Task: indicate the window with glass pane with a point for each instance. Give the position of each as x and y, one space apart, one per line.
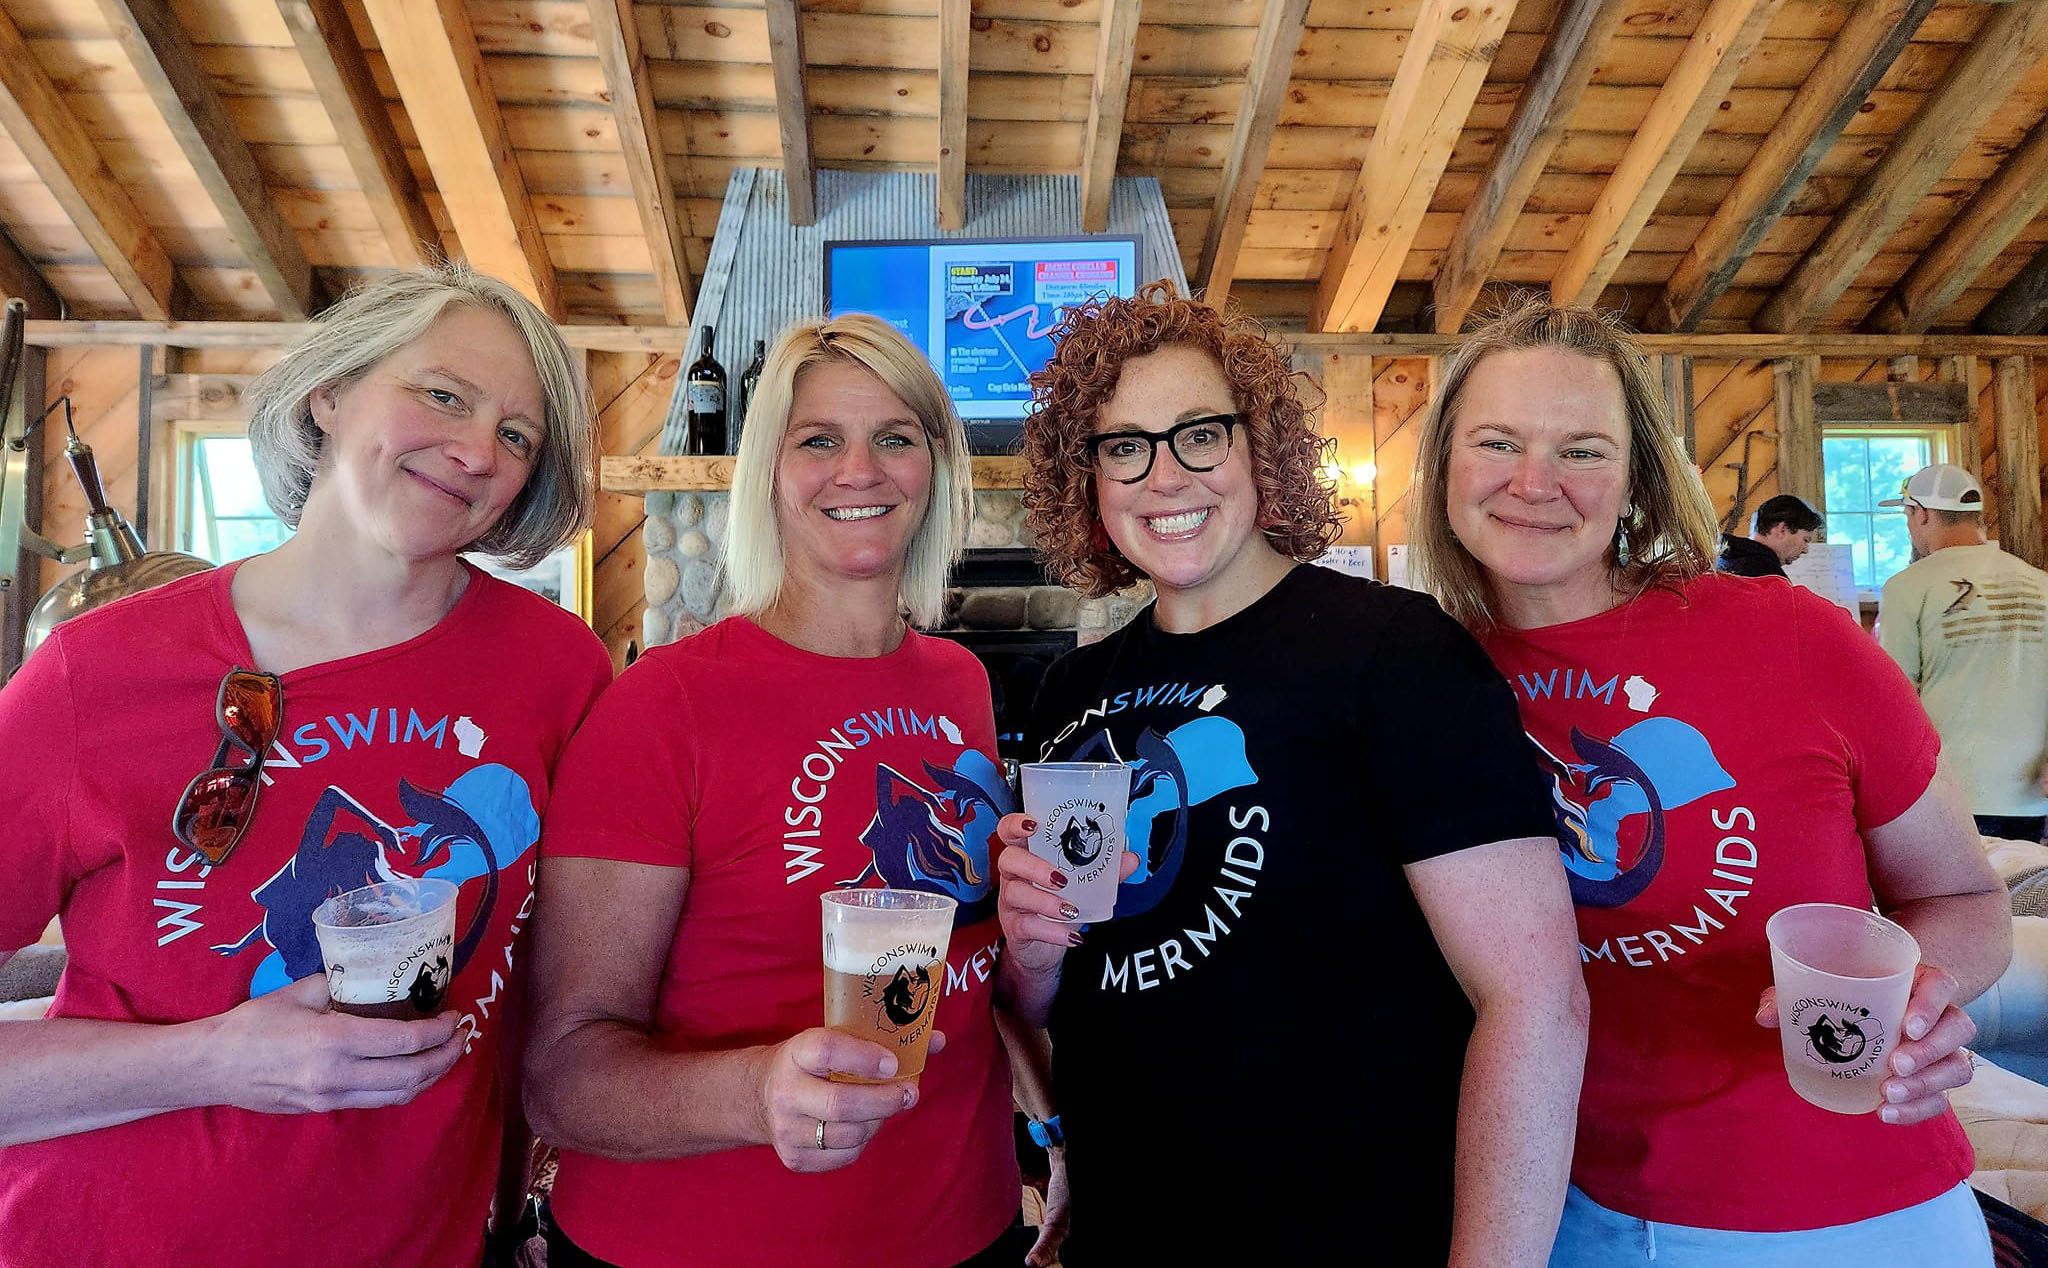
1863 467
225 517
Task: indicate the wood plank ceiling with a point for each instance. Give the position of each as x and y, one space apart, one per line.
1712 165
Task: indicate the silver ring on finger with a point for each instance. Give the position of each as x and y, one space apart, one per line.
821 1133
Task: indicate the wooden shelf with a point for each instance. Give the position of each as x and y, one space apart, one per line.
630 474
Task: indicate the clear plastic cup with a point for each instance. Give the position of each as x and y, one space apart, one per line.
389 948
1843 976
1080 807
885 968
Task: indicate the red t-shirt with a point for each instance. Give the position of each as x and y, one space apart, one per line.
776 775
1714 756
391 762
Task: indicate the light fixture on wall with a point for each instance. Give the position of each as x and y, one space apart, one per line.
1353 481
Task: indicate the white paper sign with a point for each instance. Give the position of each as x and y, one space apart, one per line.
1827 569
1397 564
1356 560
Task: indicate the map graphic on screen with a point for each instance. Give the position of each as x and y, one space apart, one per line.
983 311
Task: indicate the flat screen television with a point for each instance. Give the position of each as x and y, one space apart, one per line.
983 310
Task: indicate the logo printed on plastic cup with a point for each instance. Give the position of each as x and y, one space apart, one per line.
1079 830
1845 1040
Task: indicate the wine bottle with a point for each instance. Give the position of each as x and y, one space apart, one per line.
750 378
705 399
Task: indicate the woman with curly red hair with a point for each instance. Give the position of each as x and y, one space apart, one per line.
1329 791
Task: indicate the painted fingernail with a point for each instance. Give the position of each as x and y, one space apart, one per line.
1903 1064
1031 825
1069 912
1074 938
1059 879
909 1095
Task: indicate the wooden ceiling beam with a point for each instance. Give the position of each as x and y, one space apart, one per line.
433 56
362 123
2011 40
1578 41
1870 41
793 110
1114 54
163 56
1687 103
1265 91
1448 55
632 98
2022 307
34 115
954 16
1985 226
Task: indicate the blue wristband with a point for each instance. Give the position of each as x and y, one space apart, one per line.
1046 1134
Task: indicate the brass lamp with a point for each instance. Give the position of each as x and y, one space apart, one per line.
116 563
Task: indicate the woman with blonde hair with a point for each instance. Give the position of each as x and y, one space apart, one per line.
193 769
1718 748
812 742
1338 1010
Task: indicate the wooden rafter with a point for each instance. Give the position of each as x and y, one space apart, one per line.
632 98
954 16
163 56
1113 57
1869 42
1686 104
793 110
21 279
1265 91
34 115
362 123
2012 39
1448 55
2022 307
1578 41
441 75
1986 226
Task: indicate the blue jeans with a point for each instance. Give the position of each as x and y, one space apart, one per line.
1944 1232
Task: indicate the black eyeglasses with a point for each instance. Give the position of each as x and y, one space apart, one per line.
1199 444
221 800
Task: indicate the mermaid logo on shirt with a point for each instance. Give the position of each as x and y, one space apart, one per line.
480 825
1611 804
938 839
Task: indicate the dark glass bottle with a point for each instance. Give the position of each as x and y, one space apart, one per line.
750 378
705 399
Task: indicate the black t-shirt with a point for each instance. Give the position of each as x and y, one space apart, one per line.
1265 1046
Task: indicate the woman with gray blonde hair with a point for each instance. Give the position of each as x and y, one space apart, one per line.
359 704
811 743
1718 748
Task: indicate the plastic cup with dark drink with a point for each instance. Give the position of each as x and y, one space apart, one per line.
1079 807
389 948
1843 975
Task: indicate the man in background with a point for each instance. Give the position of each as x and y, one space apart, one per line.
1780 532
1969 625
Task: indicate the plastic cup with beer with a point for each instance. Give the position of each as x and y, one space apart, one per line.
885 968
389 948
1079 807
1843 976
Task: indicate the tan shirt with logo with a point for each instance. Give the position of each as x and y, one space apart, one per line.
1969 625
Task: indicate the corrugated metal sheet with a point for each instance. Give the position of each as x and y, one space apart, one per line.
765 272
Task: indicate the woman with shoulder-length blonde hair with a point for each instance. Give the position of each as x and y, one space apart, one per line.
193 769
813 742
1328 789
1718 748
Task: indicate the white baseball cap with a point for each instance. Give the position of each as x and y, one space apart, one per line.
1940 487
